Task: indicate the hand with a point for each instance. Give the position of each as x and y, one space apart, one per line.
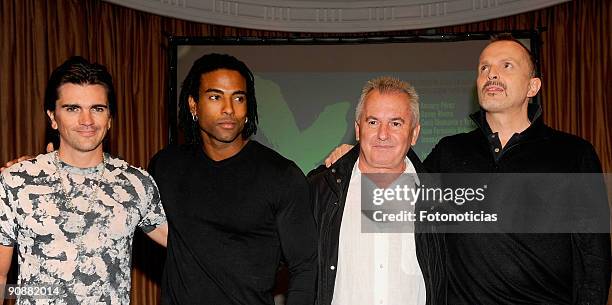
160 235
337 154
8 164
50 147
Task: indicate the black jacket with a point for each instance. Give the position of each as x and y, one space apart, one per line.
539 149
329 187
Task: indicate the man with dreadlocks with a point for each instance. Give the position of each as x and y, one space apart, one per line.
235 207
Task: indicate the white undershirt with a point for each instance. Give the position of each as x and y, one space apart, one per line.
375 268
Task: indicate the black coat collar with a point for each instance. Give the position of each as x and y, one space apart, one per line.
537 129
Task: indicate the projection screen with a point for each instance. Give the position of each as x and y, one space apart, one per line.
307 89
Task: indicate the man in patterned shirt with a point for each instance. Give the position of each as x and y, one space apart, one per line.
72 213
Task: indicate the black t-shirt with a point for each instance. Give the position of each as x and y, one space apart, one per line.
231 222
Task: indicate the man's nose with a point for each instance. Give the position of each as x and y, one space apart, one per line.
383 132
85 118
493 73
228 106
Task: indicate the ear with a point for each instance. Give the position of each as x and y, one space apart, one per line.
193 106
534 86
108 127
51 116
415 134
356 131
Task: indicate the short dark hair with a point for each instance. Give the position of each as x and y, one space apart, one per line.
509 37
77 70
191 88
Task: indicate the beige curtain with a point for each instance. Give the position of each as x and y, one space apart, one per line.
36 36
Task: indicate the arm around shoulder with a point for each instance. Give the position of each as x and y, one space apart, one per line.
160 235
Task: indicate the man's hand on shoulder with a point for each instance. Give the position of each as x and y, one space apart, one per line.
8 164
337 153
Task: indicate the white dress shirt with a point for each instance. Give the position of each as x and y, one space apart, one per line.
375 268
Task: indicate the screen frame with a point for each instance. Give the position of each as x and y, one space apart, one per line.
175 41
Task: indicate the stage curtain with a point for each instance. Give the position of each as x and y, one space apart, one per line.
36 36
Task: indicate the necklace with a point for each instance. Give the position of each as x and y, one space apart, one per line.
67 195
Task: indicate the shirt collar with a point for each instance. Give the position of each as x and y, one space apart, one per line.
409 169
534 112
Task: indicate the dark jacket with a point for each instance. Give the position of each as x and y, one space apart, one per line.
539 149
329 187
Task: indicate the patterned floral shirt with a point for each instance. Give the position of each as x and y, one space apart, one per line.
73 227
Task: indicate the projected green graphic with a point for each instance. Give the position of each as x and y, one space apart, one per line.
306 137
278 125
